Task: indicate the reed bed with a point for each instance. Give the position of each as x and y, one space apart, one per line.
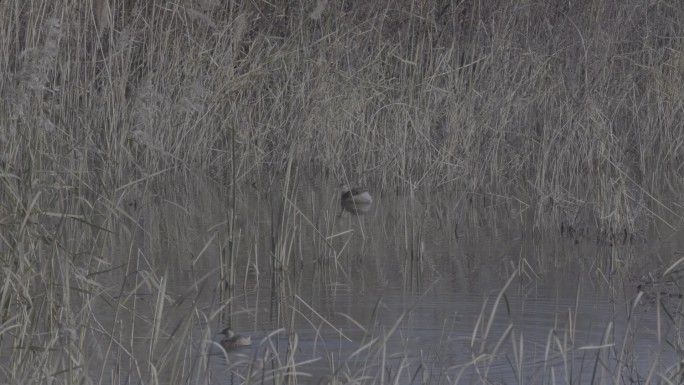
563 116
568 106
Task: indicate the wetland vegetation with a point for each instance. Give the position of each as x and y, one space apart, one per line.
169 169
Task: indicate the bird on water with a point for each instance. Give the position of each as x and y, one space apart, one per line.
233 341
355 200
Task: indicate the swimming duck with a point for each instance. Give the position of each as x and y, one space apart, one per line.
233 341
355 200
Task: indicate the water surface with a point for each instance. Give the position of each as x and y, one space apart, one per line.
424 288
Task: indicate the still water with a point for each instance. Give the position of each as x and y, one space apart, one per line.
423 289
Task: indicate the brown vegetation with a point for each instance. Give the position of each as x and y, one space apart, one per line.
572 109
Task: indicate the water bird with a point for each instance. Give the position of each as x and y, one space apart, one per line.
355 200
233 341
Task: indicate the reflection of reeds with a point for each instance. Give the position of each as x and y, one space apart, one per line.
389 353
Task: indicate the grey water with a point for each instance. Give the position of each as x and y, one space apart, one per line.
425 288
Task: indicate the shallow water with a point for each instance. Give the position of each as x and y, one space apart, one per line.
409 292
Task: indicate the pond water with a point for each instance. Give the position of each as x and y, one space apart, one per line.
423 289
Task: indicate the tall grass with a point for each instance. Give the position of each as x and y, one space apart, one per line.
574 103
571 110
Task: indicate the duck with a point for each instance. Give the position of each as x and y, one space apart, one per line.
233 341
355 200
